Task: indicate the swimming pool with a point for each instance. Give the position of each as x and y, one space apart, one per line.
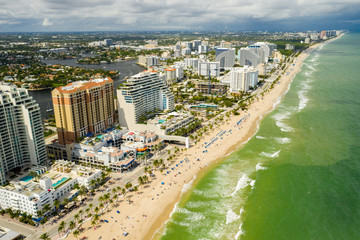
59 182
26 178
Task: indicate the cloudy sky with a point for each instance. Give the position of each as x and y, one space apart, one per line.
192 15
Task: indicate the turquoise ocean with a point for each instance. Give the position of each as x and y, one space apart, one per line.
299 176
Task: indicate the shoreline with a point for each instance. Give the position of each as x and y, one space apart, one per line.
150 209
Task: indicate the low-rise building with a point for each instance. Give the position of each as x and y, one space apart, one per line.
214 88
171 122
30 194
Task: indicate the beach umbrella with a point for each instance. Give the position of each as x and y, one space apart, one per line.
162 183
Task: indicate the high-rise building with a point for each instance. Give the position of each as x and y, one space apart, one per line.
241 79
322 34
248 57
212 68
225 56
196 44
83 107
141 94
191 63
203 48
108 42
21 131
152 61
261 51
224 44
170 76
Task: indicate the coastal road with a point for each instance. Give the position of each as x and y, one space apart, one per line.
16 227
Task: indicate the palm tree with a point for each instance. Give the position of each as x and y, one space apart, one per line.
80 213
128 185
65 202
56 205
96 210
76 233
87 211
62 225
108 171
93 223
92 183
44 236
60 229
76 217
141 181
46 208
72 225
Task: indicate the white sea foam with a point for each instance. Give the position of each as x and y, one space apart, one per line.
260 137
239 233
231 216
241 211
270 155
284 140
279 117
243 182
259 167
195 217
188 185
303 100
183 210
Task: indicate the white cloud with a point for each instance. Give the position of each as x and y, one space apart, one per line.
167 14
46 22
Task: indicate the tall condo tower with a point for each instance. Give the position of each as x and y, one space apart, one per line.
21 131
83 107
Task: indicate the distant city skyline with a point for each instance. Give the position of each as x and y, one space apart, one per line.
184 15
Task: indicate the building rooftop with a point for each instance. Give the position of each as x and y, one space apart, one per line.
83 85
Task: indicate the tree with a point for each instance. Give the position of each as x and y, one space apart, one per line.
141 181
128 185
44 236
62 225
46 208
76 233
93 223
60 229
72 225
56 205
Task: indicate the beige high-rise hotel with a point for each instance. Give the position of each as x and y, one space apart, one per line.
83 107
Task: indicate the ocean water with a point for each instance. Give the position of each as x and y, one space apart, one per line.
299 176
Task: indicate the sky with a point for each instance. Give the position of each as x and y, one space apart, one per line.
178 15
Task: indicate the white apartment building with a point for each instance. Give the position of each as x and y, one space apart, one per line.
203 49
256 53
191 63
170 76
21 131
241 79
179 70
141 94
152 61
225 56
212 68
27 195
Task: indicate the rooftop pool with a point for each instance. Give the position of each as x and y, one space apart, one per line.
59 182
26 178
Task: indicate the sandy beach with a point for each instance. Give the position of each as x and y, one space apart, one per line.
152 205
